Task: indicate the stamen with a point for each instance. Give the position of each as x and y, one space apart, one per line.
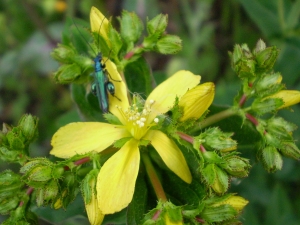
156 120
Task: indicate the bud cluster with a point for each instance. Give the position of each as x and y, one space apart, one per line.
277 140
42 175
216 170
14 141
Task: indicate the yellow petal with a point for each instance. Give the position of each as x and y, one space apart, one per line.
120 98
289 97
99 24
117 177
80 138
197 100
164 94
170 154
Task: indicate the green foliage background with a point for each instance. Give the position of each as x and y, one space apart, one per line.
209 29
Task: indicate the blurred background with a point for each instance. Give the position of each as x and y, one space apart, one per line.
30 29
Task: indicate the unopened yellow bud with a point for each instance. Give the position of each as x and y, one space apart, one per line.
289 97
197 100
237 202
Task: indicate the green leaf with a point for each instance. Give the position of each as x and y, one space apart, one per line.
138 76
184 193
87 108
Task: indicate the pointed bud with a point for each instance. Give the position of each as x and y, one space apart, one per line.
289 98
28 126
266 58
215 178
64 53
260 46
266 105
271 159
157 25
10 183
289 149
196 101
168 44
8 204
237 202
237 166
268 84
67 74
242 61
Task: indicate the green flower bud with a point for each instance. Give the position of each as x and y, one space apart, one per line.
266 58
10 155
237 166
40 174
15 139
268 84
67 73
279 123
216 211
157 25
242 61
260 46
272 140
168 44
10 183
28 126
64 53
266 105
37 172
47 193
289 149
271 159
216 178
8 204
245 68
216 139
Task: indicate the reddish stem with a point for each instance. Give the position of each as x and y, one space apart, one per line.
128 55
200 220
82 161
156 215
185 137
252 119
202 149
242 100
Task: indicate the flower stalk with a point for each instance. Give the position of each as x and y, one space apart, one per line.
156 184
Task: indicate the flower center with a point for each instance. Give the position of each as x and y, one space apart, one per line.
137 122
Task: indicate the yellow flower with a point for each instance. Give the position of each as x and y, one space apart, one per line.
200 96
289 97
116 180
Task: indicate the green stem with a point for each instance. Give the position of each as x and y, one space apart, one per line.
159 191
215 118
